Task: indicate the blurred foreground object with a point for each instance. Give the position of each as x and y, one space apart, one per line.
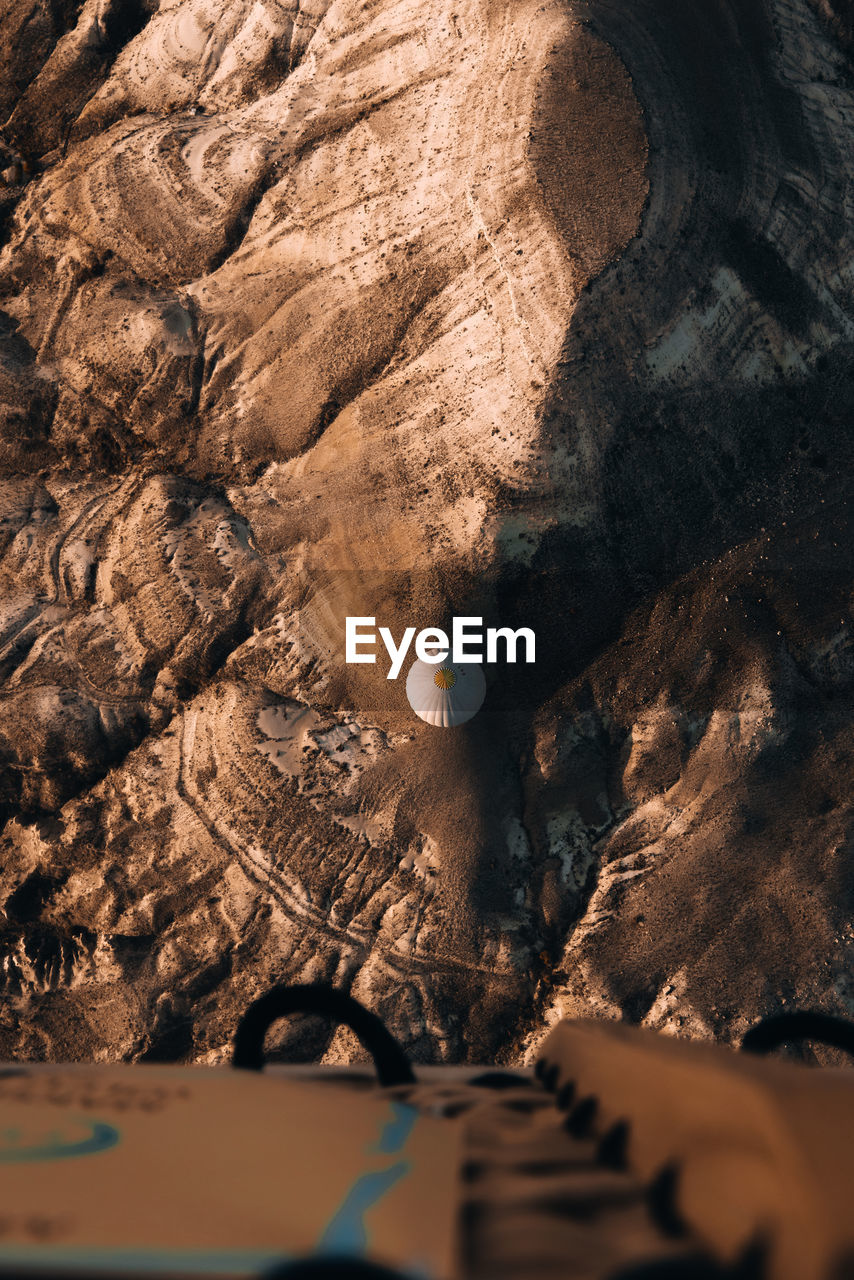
633 1156
746 1155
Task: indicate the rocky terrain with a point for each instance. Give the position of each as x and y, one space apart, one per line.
542 312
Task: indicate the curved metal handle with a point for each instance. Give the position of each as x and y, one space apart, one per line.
390 1061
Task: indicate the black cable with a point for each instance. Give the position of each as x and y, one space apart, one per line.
390 1061
332 1269
691 1266
698 1266
782 1028
500 1080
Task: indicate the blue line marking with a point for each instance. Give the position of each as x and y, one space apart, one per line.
347 1232
56 1146
396 1133
82 1262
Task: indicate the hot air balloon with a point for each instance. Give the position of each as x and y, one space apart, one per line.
445 693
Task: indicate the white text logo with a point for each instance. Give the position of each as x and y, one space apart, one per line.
432 644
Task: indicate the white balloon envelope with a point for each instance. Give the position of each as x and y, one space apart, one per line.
445 693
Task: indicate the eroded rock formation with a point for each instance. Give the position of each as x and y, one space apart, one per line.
536 311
